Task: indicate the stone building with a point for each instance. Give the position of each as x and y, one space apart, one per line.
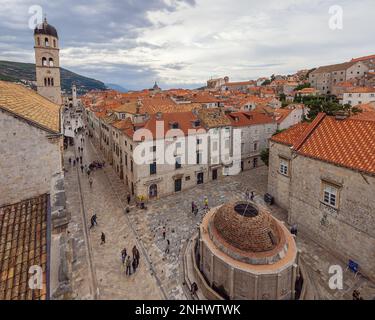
323 173
324 78
47 62
32 201
244 253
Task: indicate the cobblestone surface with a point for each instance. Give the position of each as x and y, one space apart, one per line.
162 277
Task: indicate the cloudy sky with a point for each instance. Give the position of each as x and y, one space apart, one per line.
182 43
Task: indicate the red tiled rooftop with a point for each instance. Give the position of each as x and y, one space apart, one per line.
23 243
349 143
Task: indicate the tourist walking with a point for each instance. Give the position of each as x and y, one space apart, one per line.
128 266
137 256
93 221
74 163
102 238
82 167
167 247
70 161
123 255
205 203
293 230
252 196
134 265
164 232
128 198
90 182
192 207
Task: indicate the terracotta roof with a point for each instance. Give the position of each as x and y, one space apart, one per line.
349 143
361 90
213 117
23 243
334 67
364 58
29 105
290 136
183 120
241 119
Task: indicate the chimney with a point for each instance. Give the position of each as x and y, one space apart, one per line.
341 115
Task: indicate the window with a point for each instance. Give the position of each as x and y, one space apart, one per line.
199 157
54 43
153 168
255 146
214 146
50 62
46 42
44 62
52 82
178 163
38 40
284 164
131 165
330 195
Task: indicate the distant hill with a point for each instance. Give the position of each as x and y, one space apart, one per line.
25 72
116 87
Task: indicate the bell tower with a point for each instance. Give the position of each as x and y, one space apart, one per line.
47 62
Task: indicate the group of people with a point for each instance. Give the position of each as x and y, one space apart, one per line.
128 262
194 206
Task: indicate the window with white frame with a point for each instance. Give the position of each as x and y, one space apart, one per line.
284 167
330 194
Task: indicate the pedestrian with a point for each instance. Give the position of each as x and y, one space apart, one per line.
356 295
206 203
293 230
74 163
70 161
134 264
247 195
128 198
192 207
90 182
77 159
134 251
167 247
164 231
252 196
137 256
82 168
128 266
123 255
80 159
102 238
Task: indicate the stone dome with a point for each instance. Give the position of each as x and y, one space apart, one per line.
244 226
45 29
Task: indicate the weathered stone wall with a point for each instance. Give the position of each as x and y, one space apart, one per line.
279 184
348 231
28 159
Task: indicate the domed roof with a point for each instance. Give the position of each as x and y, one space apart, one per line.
244 226
45 29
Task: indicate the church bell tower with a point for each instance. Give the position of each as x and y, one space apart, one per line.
47 62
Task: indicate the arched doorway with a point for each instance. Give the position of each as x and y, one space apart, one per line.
153 191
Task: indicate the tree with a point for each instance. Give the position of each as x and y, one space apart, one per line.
266 82
265 155
302 86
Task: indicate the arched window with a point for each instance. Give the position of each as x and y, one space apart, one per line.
38 41
44 61
45 82
54 43
52 82
49 81
50 62
46 42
